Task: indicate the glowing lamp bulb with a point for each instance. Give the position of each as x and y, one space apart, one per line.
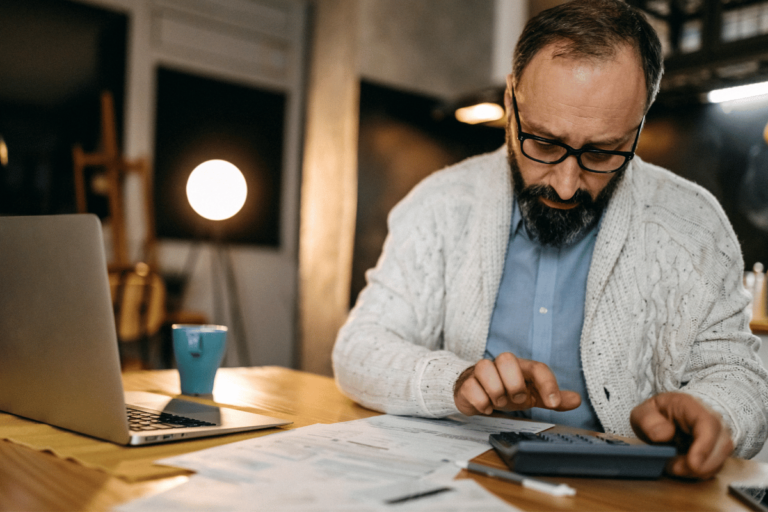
216 189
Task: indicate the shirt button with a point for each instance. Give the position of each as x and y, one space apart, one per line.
543 310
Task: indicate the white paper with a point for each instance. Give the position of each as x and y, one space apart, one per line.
201 494
490 424
386 436
338 467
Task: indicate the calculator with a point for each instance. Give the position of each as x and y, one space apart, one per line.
579 455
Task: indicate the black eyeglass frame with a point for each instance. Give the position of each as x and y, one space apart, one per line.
522 136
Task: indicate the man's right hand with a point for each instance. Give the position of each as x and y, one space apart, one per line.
510 384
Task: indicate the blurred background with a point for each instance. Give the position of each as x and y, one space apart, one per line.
332 110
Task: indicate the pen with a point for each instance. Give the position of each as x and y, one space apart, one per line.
417 495
530 483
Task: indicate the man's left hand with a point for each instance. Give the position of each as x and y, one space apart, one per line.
682 419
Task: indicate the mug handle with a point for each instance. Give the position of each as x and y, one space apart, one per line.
195 343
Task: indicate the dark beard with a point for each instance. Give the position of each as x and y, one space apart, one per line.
551 226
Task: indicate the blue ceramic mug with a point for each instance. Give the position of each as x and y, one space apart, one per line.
199 350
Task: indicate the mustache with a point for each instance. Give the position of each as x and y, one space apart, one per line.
581 197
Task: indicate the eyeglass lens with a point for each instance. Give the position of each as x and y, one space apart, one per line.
552 153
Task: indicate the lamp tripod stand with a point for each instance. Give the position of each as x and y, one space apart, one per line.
217 190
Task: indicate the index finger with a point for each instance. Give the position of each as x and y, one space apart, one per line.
650 424
543 380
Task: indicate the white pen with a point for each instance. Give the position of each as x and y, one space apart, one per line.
530 483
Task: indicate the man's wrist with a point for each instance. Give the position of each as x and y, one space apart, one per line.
466 374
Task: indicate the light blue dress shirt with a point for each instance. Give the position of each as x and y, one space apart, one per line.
539 314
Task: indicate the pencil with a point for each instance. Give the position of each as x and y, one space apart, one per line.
530 483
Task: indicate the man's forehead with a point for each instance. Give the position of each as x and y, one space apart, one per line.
603 82
583 71
559 55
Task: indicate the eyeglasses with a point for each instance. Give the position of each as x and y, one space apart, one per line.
547 151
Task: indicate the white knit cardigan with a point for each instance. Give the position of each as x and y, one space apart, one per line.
665 306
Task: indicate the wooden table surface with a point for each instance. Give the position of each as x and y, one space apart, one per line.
36 480
759 325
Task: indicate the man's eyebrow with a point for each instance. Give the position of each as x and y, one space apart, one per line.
543 132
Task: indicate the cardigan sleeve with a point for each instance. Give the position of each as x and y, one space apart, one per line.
721 367
389 354
724 369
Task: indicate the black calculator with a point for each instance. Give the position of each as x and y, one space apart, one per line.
579 455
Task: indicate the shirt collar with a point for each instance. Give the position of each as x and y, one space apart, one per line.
517 217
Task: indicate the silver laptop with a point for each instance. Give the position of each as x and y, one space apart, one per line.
59 361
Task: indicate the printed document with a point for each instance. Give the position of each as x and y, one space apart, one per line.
380 463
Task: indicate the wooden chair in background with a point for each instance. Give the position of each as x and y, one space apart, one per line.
113 168
138 290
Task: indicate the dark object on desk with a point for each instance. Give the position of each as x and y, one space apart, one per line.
754 496
579 455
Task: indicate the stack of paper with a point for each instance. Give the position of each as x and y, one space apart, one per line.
379 463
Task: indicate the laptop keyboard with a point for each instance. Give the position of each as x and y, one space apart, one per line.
139 420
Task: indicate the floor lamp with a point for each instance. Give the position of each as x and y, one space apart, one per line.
217 190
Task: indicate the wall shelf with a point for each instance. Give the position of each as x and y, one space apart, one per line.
709 43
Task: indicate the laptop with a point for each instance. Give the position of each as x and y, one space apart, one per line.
59 360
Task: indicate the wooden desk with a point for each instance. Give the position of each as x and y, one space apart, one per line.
759 326
34 480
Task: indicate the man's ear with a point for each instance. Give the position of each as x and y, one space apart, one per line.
508 93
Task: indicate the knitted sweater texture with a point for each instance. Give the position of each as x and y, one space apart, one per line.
665 306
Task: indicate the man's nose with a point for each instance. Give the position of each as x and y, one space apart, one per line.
565 178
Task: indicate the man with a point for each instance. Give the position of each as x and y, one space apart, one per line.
563 277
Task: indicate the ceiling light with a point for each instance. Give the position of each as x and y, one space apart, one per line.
738 93
480 113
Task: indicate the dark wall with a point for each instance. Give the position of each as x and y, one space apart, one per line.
57 57
401 141
200 119
723 152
